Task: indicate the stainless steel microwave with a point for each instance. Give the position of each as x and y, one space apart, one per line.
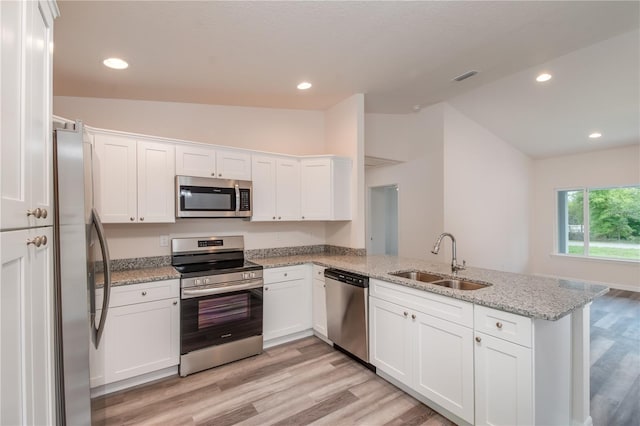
209 197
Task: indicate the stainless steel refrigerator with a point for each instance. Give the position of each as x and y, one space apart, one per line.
81 252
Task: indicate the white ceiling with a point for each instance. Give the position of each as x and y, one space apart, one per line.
254 53
596 88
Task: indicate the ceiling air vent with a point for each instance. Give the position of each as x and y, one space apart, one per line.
465 76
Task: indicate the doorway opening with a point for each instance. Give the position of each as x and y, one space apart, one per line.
383 220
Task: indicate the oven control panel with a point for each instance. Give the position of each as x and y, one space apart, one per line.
221 279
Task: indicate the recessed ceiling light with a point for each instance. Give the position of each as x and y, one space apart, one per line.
116 63
543 77
595 135
304 85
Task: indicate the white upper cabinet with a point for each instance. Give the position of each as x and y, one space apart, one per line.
288 188
133 180
326 188
156 172
276 188
114 178
195 161
232 164
25 114
264 188
192 160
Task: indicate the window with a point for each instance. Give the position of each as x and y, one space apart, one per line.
602 222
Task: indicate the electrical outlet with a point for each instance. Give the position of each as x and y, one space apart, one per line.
164 240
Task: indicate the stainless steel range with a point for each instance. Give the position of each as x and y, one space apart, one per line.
221 302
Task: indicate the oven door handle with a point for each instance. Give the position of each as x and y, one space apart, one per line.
191 292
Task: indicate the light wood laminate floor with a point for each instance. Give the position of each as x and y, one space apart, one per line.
307 382
615 359
300 383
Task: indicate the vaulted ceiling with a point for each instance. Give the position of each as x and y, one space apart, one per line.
400 54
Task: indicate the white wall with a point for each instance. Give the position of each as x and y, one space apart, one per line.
612 167
344 133
284 131
487 192
275 130
419 180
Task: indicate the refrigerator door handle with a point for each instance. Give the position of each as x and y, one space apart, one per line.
107 277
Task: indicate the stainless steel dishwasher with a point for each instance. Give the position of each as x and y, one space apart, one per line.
348 311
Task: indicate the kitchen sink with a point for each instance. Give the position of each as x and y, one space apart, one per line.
427 277
460 284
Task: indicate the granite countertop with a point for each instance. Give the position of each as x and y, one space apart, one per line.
528 295
141 275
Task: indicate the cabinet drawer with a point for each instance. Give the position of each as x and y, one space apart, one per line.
443 307
318 272
288 273
504 325
140 293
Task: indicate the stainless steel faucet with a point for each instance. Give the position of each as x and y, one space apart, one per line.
454 262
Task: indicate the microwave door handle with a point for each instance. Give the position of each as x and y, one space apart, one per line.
237 199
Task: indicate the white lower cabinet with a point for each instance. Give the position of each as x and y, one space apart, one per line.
27 394
503 382
433 357
319 297
287 301
142 332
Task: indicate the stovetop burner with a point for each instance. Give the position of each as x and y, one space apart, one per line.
199 257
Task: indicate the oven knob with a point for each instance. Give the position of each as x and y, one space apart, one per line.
207 281
197 282
245 275
253 275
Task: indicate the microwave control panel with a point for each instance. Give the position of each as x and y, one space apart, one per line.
245 203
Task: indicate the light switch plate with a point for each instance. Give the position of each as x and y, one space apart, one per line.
164 240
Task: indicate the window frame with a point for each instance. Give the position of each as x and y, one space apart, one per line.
586 223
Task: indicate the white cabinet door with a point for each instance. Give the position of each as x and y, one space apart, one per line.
232 164
25 114
316 189
195 161
156 175
38 105
319 306
137 339
445 364
287 308
288 189
391 347
26 315
503 382
263 169
115 178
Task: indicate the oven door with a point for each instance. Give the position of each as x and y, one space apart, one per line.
227 315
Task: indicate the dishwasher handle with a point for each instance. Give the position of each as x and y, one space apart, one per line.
347 277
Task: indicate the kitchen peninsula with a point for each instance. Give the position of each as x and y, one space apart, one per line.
516 349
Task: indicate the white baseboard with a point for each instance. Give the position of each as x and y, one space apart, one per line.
286 339
133 381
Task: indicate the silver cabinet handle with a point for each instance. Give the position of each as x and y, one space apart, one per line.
478 339
213 174
219 174
303 217
35 212
37 241
405 314
499 324
132 219
142 219
266 288
285 274
279 218
413 316
144 293
44 213
175 302
274 218
44 240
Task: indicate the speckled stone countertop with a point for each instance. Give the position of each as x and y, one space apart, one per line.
528 295
142 275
